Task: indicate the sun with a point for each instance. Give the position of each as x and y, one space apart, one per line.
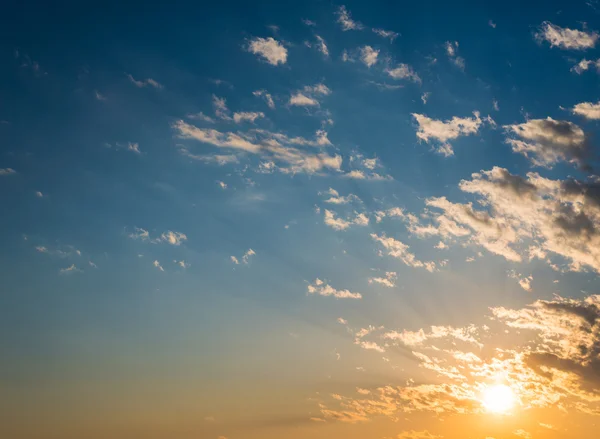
498 399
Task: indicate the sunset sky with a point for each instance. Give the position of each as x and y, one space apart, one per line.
267 220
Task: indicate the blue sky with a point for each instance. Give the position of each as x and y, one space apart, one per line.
237 220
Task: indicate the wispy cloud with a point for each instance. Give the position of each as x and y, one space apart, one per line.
565 38
266 96
345 20
320 288
149 82
388 34
7 171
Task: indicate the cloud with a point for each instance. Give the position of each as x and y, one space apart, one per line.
346 21
307 97
522 433
545 142
144 82
39 194
321 46
399 250
219 159
234 260
584 65
368 55
222 184
492 24
99 96
7 171
335 198
266 96
247 116
70 270
158 266
173 238
129 146
564 38
452 52
248 255
308 22
201 116
425 97
322 289
386 34
443 131
268 145
412 434
337 223
269 49
388 281
587 110
495 105
403 71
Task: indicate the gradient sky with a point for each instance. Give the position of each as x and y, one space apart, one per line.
266 220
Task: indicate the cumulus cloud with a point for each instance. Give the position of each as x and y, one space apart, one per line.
144 82
584 65
267 145
545 142
337 223
336 198
565 38
389 280
266 96
345 20
247 116
308 96
588 110
441 131
403 71
386 34
320 288
268 49
452 52
399 250
368 55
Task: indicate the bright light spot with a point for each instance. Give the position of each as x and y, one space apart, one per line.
498 398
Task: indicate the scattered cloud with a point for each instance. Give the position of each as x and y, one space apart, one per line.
492 24
266 96
345 20
337 223
70 270
248 255
404 71
320 288
201 116
452 52
386 34
144 82
443 131
565 38
247 116
268 49
587 110
545 142
584 65
368 55
308 96
100 96
308 22
336 198
222 184
425 97
170 237
7 171
158 266
389 280
412 434
399 250
321 46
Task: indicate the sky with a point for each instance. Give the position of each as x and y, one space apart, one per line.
265 220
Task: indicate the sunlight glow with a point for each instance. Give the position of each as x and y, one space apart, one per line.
498 399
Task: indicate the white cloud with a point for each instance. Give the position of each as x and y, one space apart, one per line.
266 96
308 22
144 82
7 171
368 55
495 105
234 260
399 250
346 21
307 97
425 97
222 184
388 281
173 238
247 116
322 46
134 147
158 266
269 49
201 116
337 223
403 71
547 141
322 289
140 233
270 146
587 110
492 24
357 174
452 52
39 194
443 131
386 34
70 270
247 255
302 100
335 198
99 96
584 65
564 38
